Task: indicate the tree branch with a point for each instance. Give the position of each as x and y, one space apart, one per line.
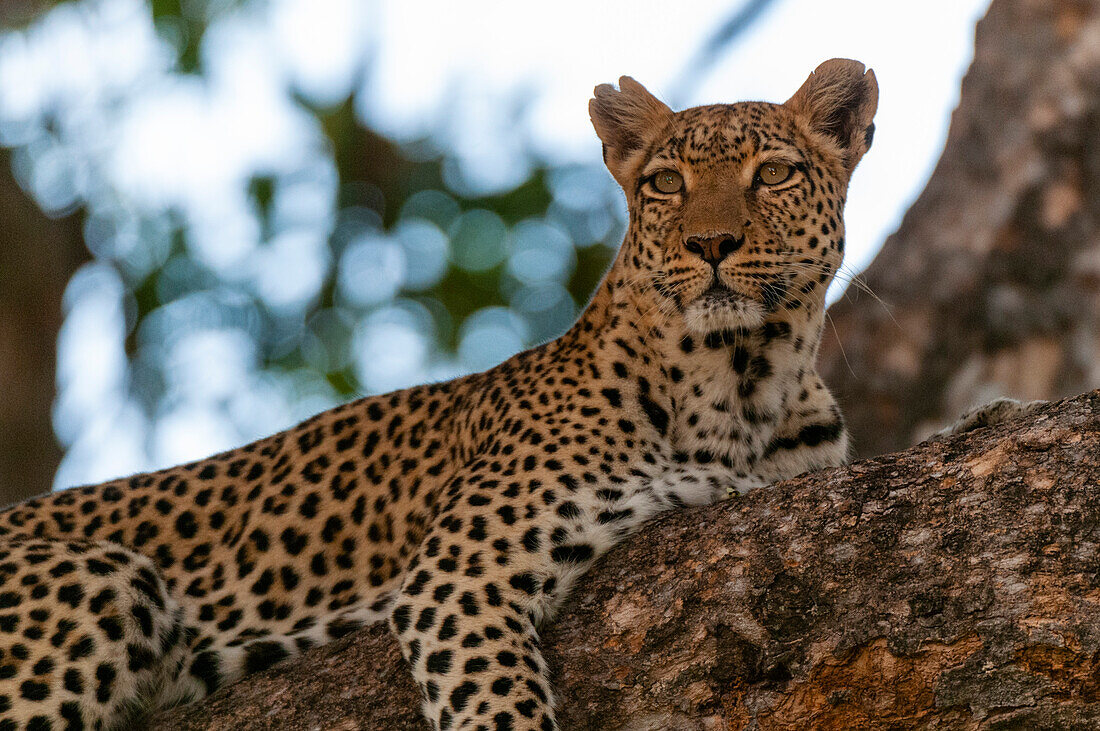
952 585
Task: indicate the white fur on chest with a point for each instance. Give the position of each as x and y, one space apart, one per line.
715 417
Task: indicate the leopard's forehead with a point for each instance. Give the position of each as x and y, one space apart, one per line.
726 132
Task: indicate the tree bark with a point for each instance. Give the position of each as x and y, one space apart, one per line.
38 255
955 585
991 284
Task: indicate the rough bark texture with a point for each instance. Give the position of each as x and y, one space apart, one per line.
955 585
993 279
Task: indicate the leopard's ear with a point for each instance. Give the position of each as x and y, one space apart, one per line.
627 120
838 100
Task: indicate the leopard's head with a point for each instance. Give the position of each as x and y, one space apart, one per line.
736 210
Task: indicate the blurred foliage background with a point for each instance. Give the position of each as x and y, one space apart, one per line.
203 211
326 262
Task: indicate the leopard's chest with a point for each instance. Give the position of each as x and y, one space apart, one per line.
731 415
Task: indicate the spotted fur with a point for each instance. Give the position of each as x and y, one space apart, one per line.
464 511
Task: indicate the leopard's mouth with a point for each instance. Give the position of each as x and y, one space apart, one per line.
718 292
720 307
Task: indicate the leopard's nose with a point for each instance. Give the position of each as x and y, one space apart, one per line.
713 249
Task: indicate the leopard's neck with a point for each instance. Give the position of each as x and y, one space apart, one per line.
726 390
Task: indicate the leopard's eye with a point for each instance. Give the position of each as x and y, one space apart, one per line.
773 173
668 181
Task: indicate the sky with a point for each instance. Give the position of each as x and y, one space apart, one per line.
132 135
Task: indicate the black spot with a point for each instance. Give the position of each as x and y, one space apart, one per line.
84 647
657 416
610 516
111 627
569 481
440 662
207 669
460 696
64 627
416 586
101 600
527 708
62 568
186 525
525 582
293 541
105 673
477 529
144 619
476 665
568 509
613 396
289 577
70 594
70 711
401 617
531 539
469 604
139 658
714 340
262 655
535 687
449 628
426 619
263 584
332 528
342 627
572 553
773 330
810 436
74 682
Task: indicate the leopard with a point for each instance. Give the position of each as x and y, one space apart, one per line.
464 512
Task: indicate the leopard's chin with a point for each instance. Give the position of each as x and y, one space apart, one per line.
720 308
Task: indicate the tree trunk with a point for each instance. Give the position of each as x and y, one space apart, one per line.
955 585
38 255
992 283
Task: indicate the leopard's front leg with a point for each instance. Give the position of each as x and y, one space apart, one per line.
500 557
467 612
